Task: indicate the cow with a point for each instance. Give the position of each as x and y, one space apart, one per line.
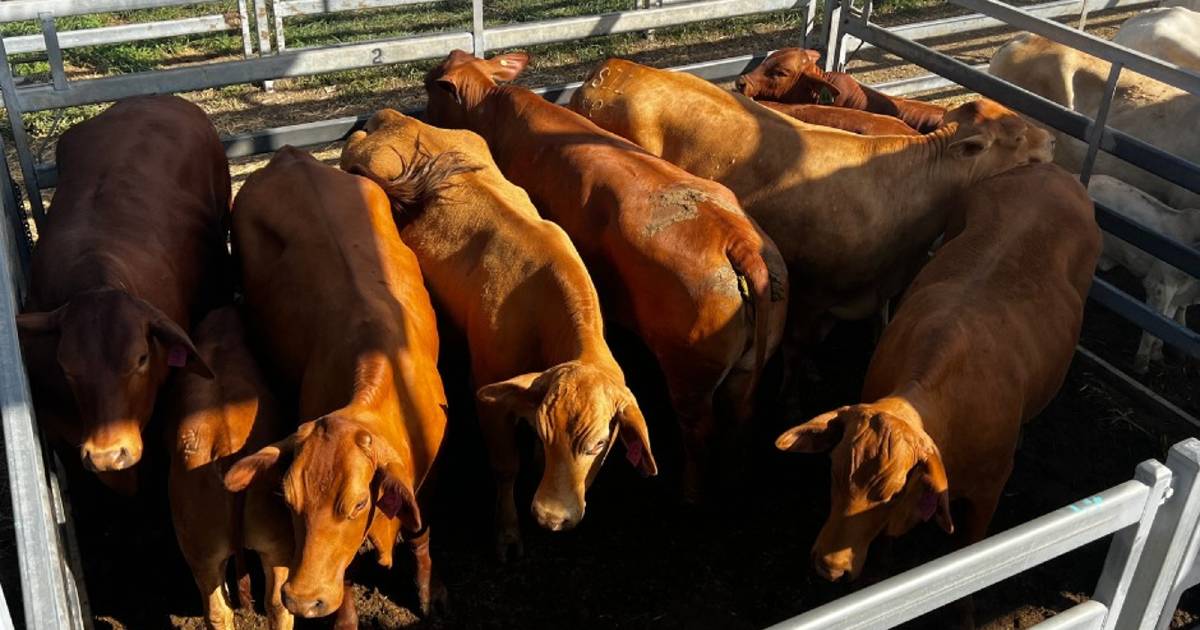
1169 290
853 215
1170 33
673 256
1142 107
341 310
213 423
514 284
980 344
852 120
791 75
131 251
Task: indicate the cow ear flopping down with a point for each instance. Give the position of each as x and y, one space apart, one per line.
518 396
180 350
815 436
245 470
970 146
935 498
30 324
506 67
820 85
396 499
635 435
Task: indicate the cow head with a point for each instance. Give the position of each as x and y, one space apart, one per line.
337 478
887 476
115 350
788 75
459 83
578 412
989 139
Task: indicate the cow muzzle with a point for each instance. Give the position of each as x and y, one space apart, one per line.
309 604
557 517
111 457
835 567
742 86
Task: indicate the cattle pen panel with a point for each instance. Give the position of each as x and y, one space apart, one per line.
55 602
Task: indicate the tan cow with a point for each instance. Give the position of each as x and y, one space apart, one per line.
673 255
980 344
518 289
852 215
214 422
852 120
341 310
132 249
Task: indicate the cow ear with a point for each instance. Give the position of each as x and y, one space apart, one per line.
44 323
813 56
970 146
635 435
934 501
181 352
395 499
828 92
518 396
506 67
448 85
381 118
815 436
250 467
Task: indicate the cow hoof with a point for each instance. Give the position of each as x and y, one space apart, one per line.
433 601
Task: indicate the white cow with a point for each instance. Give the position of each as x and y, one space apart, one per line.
1151 111
1169 290
1171 34
1194 5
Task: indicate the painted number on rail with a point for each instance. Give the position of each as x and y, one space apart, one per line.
376 55
1080 506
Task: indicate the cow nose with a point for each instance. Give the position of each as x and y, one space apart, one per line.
108 459
834 567
740 84
307 608
553 519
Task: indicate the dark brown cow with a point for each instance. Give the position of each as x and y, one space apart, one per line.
517 288
980 344
339 304
791 75
214 421
673 254
852 120
133 248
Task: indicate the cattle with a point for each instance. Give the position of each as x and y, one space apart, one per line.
213 423
853 215
852 120
673 256
340 308
791 75
514 284
1170 33
1169 290
981 343
1141 107
133 246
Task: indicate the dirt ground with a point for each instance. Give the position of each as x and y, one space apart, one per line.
640 557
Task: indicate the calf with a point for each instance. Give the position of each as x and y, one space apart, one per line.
853 215
133 247
791 75
1170 33
1141 107
1169 290
980 344
852 120
673 255
216 421
339 304
518 289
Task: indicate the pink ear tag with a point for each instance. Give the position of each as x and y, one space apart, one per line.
177 356
633 452
927 505
389 502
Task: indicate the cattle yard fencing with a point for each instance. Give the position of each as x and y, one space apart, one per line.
1153 518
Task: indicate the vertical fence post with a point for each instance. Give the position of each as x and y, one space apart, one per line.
12 103
1097 129
1128 544
480 42
831 36
244 19
1083 14
15 215
1155 589
810 24
262 21
58 73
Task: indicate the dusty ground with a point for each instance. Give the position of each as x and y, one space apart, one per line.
640 558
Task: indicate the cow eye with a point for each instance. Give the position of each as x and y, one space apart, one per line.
362 505
141 362
597 448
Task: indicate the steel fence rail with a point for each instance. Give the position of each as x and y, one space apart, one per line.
17 10
125 33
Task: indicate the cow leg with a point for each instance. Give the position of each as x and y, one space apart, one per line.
736 397
346 617
430 590
500 436
210 579
276 570
202 514
1159 298
697 424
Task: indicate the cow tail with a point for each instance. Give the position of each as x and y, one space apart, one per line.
748 262
421 178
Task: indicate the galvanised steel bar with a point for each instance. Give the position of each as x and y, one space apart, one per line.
1167 249
20 139
478 30
1145 317
244 24
951 577
15 215
58 72
126 33
1086 616
293 8
1097 130
1095 46
15 10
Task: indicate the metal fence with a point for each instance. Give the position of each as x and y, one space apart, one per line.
1130 511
